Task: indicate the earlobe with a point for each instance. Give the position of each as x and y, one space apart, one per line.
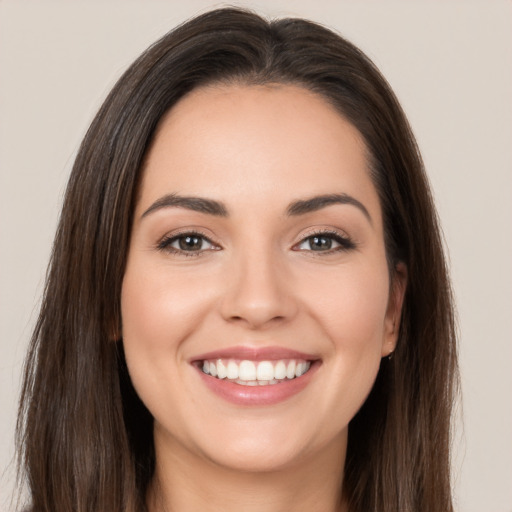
394 311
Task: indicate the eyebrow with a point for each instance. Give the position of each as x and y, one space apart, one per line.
217 208
316 203
197 204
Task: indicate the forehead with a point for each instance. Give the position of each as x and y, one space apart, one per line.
239 142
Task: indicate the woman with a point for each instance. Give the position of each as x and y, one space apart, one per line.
247 305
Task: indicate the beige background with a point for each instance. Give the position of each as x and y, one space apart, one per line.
450 65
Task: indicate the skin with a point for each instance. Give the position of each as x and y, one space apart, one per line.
256 283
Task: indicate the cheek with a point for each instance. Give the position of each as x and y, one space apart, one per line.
350 304
350 307
159 310
159 307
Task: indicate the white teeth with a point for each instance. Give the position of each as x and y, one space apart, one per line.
290 370
265 371
232 372
246 370
280 370
222 371
253 373
302 368
256 382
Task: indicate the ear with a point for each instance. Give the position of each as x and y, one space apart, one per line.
394 310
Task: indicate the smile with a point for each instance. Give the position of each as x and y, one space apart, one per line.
256 373
250 376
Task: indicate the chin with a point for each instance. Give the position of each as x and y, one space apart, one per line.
269 450
256 456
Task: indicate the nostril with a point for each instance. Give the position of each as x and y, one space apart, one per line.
252 321
257 302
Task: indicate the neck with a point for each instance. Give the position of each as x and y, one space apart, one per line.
187 483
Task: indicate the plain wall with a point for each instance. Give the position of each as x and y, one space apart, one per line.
450 65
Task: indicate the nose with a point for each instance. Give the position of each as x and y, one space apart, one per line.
259 291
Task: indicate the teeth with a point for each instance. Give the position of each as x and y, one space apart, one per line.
246 370
222 371
290 370
299 370
232 370
265 371
254 373
257 382
280 370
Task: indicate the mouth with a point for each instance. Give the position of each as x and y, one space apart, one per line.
256 373
264 376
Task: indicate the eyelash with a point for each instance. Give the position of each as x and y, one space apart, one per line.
345 243
165 244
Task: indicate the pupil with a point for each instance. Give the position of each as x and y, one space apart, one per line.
190 243
320 243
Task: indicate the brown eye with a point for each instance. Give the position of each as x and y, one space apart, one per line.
190 242
186 243
325 242
319 243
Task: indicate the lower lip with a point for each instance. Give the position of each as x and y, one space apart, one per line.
258 395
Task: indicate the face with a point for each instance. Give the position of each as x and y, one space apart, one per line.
256 303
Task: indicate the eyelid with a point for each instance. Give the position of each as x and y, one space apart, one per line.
344 241
319 230
164 244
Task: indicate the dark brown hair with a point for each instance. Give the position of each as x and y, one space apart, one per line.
85 439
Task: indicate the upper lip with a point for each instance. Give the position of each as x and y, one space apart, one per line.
254 354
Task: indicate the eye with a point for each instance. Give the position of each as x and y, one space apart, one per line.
325 242
187 243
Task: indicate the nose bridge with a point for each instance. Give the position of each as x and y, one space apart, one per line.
258 291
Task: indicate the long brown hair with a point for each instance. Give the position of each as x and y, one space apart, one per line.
84 437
